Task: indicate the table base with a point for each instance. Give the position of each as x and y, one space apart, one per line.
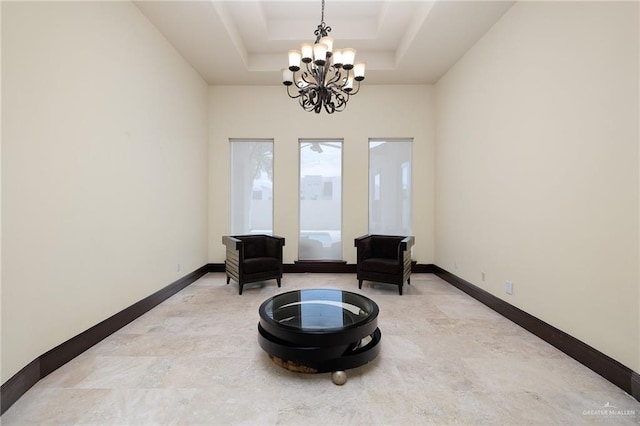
320 359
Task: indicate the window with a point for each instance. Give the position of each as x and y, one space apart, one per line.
251 186
320 200
390 186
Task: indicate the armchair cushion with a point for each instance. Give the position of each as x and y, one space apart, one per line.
378 264
385 247
253 247
255 265
273 247
365 247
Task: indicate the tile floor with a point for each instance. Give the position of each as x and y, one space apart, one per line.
445 359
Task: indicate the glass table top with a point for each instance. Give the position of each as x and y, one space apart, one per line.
318 309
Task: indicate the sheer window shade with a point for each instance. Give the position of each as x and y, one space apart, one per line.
390 186
251 186
320 200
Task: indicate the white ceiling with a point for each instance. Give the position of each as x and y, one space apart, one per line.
246 41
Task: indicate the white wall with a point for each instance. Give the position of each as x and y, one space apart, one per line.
376 112
104 169
537 168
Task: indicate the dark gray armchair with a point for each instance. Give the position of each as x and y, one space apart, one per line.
384 259
252 258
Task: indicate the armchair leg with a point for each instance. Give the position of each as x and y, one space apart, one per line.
409 280
228 279
240 289
360 284
278 280
400 289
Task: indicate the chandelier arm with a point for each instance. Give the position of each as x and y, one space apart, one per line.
337 75
311 84
316 100
341 97
310 100
355 90
320 72
313 74
304 76
338 91
330 107
291 96
341 105
310 67
304 102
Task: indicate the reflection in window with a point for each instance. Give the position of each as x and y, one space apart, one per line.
320 200
390 186
251 186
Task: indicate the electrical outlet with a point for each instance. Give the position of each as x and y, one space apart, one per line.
508 287
178 267
484 276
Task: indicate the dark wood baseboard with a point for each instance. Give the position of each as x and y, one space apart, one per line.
23 380
423 268
330 267
612 370
18 384
215 267
321 266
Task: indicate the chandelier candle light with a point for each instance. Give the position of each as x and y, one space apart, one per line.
325 78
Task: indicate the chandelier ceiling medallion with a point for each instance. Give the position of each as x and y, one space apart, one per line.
326 77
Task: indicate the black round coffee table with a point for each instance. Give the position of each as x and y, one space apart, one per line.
319 330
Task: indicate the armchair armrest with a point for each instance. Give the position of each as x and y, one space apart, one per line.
278 237
273 246
359 240
231 242
407 243
363 247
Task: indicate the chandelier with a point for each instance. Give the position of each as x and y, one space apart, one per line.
326 77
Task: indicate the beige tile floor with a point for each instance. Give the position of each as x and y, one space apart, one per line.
445 359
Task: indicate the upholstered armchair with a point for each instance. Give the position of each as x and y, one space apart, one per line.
384 259
252 258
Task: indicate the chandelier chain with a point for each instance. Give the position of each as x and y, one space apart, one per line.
323 29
